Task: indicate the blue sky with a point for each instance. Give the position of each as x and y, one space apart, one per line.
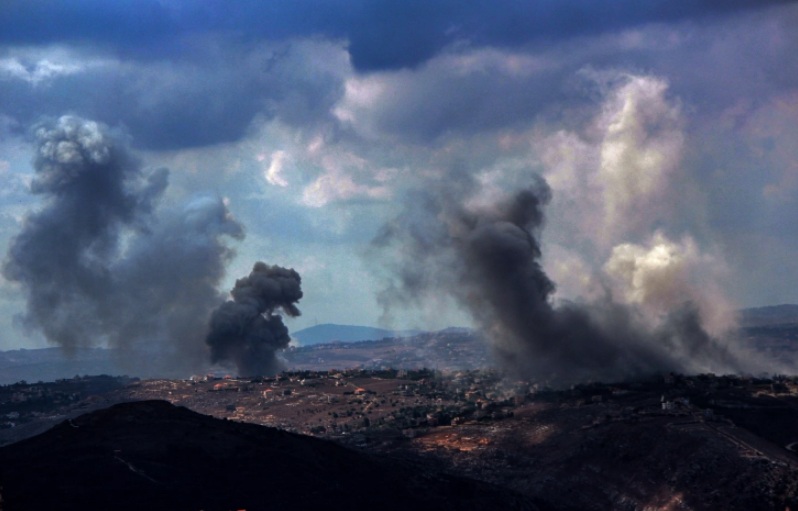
665 130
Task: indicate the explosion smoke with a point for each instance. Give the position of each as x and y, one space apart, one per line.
246 329
653 304
488 259
96 263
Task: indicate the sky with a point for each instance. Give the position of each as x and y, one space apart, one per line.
665 131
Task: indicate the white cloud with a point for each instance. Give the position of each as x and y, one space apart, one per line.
38 72
337 185
273 173
40 66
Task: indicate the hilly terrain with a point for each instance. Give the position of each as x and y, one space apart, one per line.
671 442
771 330
48 364
769 315
327 333
156 456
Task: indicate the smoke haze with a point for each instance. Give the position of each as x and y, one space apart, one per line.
246 330
648 303
100 264
488 259
665 131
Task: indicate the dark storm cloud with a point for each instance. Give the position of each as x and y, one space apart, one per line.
385 34
394 34
180 74
472 90
125 23
155 117
98 265
442 100
174 105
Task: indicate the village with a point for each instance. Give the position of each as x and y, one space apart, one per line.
359 406
480 424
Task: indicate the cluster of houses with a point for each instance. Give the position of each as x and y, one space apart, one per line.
23 402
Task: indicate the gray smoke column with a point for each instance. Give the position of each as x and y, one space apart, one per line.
487 257
246 330
101 264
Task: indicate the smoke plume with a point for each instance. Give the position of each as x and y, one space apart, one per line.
487 256
246 330
100 264
651 303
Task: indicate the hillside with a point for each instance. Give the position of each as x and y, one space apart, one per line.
153 455
770 330
328 332
48 364
674 442
769 315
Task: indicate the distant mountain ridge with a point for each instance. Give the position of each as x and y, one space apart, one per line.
768 315
329 332
48 364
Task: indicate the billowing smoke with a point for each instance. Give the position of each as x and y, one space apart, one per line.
488 258
246 330
100 264
648 303
661 275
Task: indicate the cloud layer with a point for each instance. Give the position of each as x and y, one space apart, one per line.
665 132
381 34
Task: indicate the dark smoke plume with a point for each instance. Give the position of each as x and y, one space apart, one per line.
488 258
246 330
101 265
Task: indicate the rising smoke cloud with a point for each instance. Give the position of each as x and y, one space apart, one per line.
488 259
651 303
100 264
246 330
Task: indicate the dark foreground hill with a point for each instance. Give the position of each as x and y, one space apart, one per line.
153 455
